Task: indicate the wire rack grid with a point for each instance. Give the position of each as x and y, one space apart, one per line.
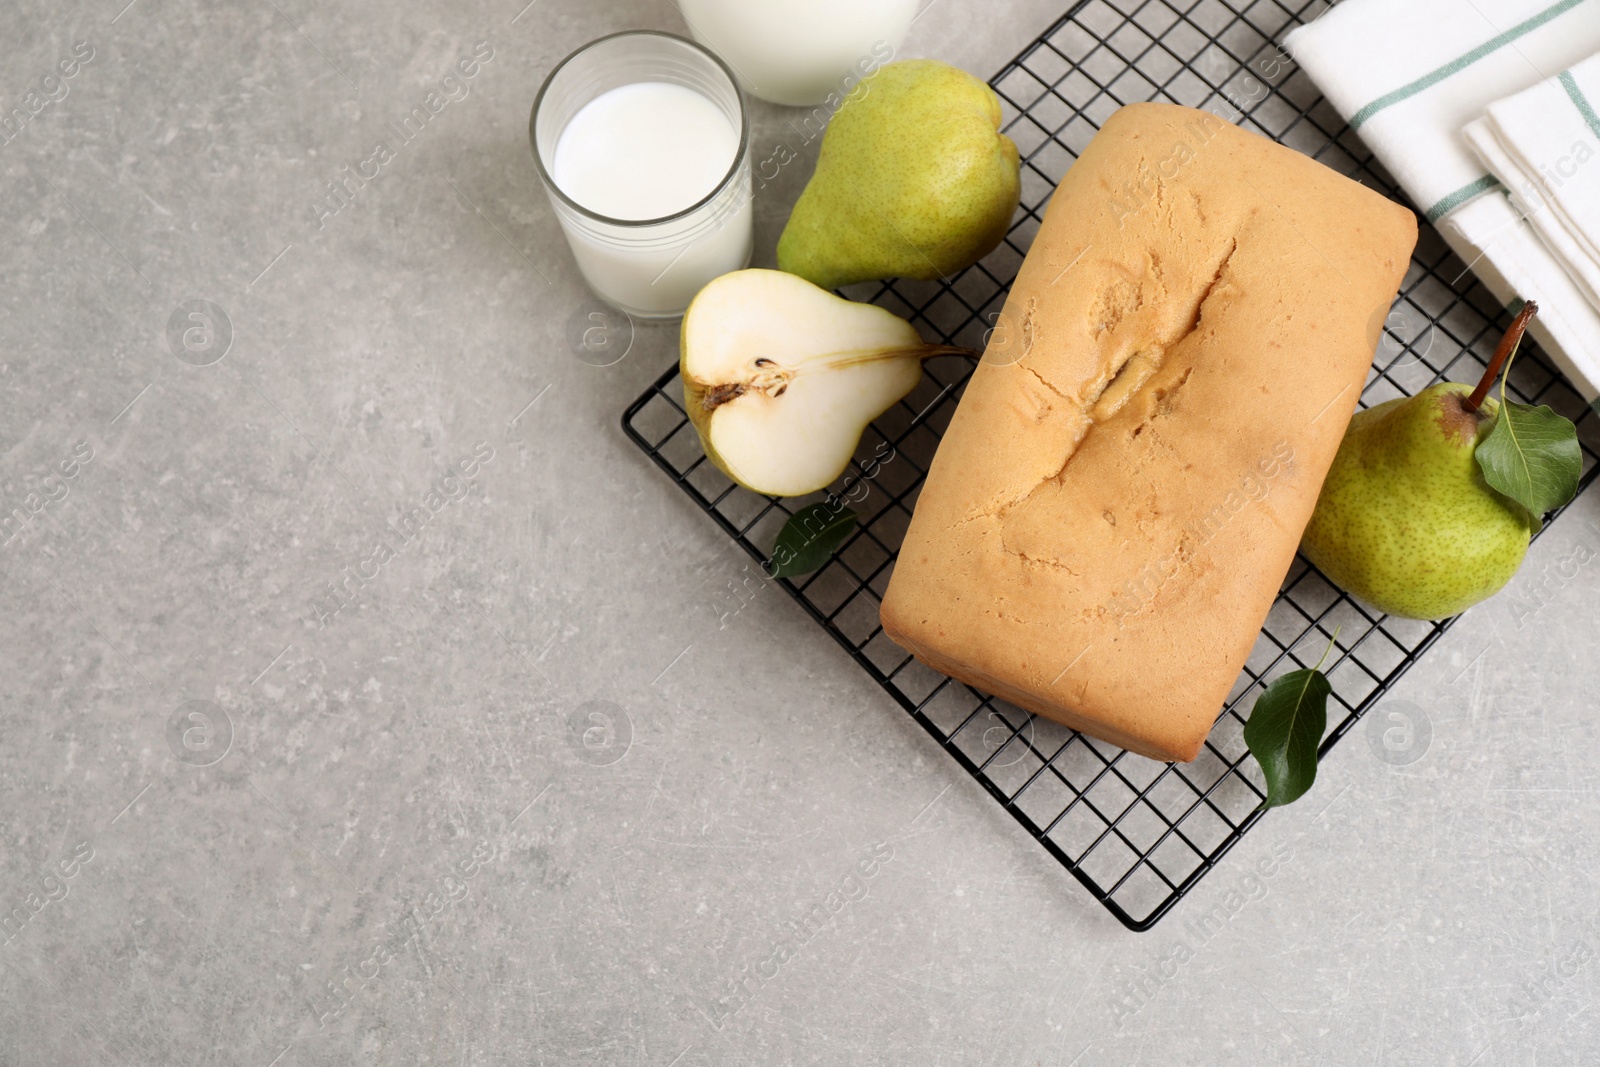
1138 834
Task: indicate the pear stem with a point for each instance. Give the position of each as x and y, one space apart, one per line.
850 359
1508 344
775 379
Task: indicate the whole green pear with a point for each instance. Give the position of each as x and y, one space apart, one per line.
1405 520
914 180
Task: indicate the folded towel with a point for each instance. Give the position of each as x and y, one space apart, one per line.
1539 144
1408 77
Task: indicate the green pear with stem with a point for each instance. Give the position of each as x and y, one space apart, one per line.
914 180
1405 520
780 378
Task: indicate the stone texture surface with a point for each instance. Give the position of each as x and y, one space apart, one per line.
404 851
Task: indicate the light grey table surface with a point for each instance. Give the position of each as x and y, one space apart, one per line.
641 910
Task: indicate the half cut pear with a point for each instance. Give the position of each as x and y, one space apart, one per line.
781 378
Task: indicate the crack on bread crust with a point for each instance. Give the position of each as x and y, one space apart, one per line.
1163 402
1052 562
1211 286
1121 381
1041 380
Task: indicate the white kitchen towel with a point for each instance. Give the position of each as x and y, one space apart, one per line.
1408 77
1539 144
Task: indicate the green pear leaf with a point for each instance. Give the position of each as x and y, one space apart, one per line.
1284 731
1531 455
809 539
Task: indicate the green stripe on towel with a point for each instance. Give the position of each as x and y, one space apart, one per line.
1494 44
1469 191
1580 101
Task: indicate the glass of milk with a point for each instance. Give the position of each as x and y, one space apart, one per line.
643 145
798 52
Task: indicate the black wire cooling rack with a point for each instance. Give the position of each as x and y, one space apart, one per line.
1137 833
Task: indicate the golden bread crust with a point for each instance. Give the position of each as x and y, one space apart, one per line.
1123 486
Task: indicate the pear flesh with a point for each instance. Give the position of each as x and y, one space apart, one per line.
1405 520
781 378
914 180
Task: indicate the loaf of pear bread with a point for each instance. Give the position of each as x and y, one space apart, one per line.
1122 488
